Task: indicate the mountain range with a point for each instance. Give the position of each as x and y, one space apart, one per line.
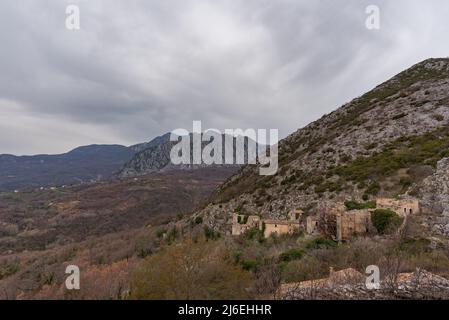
83 164
93 163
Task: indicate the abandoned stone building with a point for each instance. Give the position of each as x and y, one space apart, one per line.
339 223
312 225
279 227
295 215
242 223
401 207
336 222
352 223
342 224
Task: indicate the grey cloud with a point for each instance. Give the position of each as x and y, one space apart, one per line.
137 69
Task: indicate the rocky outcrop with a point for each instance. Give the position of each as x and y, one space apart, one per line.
156 158
153 143
435 189
149 160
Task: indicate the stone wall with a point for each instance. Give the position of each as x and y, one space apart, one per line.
278 227
311 225
401 207
417 285
239 227
352 223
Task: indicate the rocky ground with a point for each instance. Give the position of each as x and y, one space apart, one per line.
420 285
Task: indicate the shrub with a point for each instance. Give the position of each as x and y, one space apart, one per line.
373 188
305 269
210 233
250 265
354 205
160 233
371 146
406 182
320 243
254 233
8 269
399 116
172 235
240 207
292 254
198 220
7 230
142 248
415 245
438 117
197 271
384 219
289 180
329 186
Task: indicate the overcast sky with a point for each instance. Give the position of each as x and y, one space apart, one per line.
140 68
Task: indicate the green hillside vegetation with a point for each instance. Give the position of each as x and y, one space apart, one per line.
425 149
365 171
354 205
404 153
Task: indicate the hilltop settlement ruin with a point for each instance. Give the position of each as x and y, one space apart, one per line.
338 222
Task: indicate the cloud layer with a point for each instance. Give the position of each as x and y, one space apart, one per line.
140 68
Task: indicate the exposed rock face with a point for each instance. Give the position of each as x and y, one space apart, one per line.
149 160
434 200
435 189
157 158
153 143
440 226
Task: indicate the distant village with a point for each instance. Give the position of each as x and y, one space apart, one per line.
346 223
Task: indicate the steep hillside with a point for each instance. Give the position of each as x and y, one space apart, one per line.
382 143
